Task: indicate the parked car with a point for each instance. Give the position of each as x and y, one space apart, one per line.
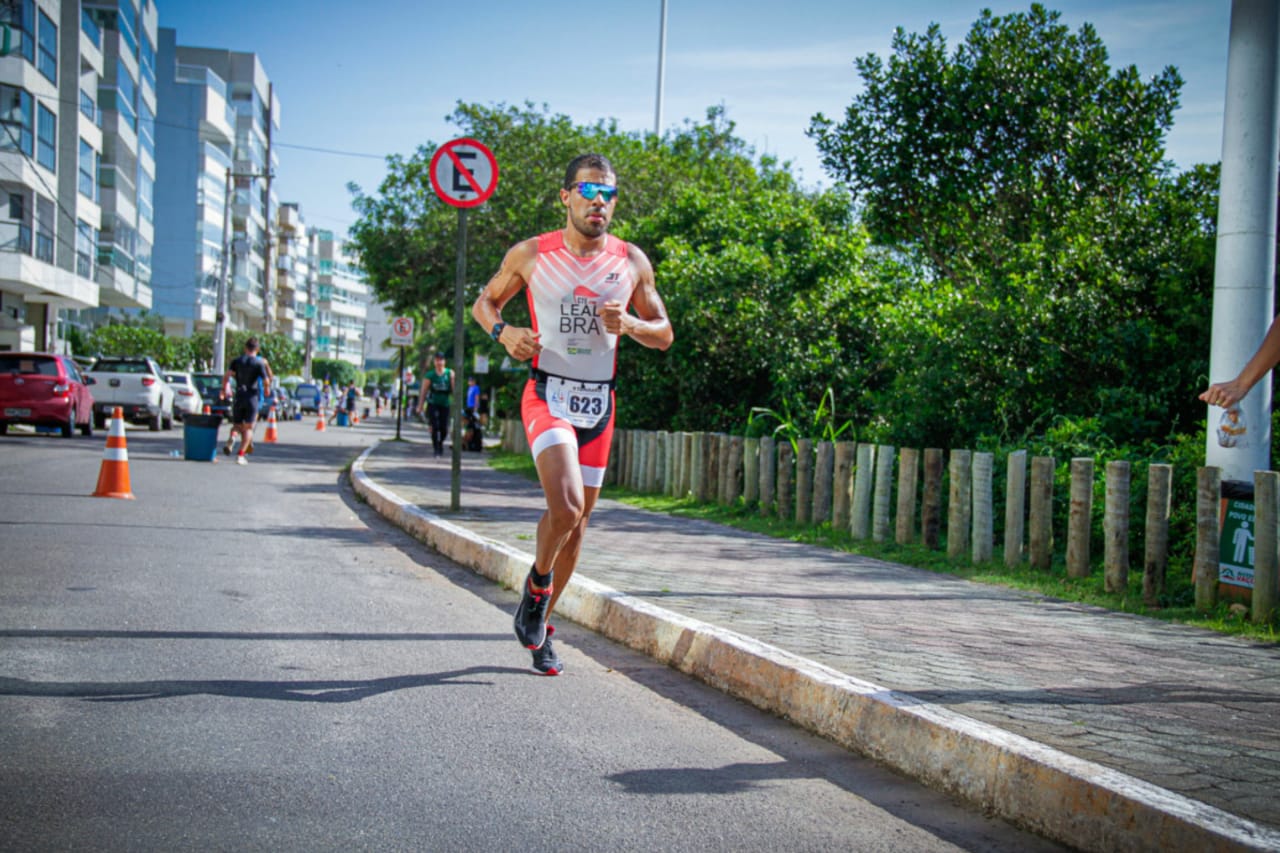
136 386
284 405
210 387
307 396
44 389
187 399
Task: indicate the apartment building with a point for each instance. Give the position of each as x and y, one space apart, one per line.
294 304
342 298
77 105
202 80
127 167
195 137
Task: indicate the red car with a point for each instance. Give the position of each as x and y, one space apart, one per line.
44 389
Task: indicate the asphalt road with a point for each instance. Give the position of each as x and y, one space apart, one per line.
247 658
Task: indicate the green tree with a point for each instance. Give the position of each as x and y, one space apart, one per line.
334 370
1023 178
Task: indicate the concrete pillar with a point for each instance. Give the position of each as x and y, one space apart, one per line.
1244 265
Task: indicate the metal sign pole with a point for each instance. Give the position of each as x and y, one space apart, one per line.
400 387
459 340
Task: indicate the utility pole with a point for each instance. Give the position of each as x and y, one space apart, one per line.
220 315
268 292
311 309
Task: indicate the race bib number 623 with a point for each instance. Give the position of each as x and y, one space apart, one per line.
582 404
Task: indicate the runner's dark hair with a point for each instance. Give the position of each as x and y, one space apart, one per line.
586 161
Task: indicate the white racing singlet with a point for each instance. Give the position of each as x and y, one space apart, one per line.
565 294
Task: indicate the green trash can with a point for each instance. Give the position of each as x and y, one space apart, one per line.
200 437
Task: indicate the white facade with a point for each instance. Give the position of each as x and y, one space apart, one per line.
341 300
77 105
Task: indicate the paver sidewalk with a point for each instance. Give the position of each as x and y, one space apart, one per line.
1185 709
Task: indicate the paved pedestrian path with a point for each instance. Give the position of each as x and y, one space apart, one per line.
1186 710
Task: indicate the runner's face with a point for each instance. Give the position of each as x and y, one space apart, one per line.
590 217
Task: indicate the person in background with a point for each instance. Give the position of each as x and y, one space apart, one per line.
437 384
1227 394
253 377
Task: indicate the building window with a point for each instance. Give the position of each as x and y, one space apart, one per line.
90 28
126 95
145 190
85 249
21 19
146 128
47 58
47 139
16 117
146 61
128 24
88 169
44 229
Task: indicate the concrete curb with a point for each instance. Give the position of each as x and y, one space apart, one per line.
1068 799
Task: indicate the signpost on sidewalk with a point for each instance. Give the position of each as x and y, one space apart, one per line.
464 173
401 336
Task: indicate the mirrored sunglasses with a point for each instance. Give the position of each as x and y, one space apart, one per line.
590 191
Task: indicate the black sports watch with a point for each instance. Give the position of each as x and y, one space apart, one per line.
497 330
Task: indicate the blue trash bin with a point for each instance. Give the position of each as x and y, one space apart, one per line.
343 420
200 437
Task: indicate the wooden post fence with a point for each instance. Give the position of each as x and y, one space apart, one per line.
1080 518
1115 527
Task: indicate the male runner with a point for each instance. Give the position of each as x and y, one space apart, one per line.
247 369
581 281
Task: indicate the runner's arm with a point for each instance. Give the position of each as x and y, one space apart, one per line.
521 343
649 326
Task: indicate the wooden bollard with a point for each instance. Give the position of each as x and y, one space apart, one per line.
842 485
804 481
931 501
1205 572
983 528
863 481
768 475
649 483
1080 517
786 481
958 504
1115 527
1266 490
1015 507
724 472
1155 556
751 471
688 441
883 496
698 468
733 477
908 479
1040 514
712 460
824 473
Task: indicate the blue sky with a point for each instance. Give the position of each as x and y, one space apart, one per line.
381 76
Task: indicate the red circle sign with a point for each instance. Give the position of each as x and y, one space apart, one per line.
464 173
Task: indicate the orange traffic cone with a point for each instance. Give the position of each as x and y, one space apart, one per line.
320 421
271 437
355 419
113 477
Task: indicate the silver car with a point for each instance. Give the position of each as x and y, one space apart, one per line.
186 397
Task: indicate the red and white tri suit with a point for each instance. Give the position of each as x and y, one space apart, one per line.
570 399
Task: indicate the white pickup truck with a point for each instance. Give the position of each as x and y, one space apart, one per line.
137 386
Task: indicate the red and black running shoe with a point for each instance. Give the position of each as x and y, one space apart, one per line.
531 616
545 659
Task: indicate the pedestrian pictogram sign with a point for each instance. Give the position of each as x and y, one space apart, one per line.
464 173
401 331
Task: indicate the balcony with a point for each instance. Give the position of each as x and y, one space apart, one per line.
289 220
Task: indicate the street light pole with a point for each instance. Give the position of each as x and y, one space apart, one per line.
662 67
